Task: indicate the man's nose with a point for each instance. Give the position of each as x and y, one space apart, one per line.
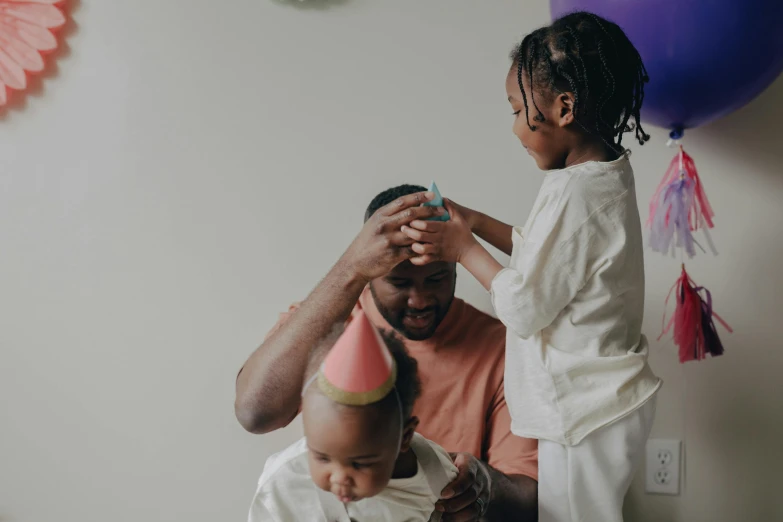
417 299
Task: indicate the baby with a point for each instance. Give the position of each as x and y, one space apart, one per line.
361 458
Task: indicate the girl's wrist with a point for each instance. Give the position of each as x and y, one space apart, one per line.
469 251
479 262
475 221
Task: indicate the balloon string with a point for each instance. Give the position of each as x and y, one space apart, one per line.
682 169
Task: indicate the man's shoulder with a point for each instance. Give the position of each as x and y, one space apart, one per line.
480 322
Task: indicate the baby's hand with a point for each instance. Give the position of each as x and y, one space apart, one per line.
441 241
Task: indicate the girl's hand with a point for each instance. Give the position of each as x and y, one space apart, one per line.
441 241
470 216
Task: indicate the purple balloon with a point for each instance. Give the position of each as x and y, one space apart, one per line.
705 59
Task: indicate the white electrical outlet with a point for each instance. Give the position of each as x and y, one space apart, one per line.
662 472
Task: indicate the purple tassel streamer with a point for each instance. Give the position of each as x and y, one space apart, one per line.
670 227
712 343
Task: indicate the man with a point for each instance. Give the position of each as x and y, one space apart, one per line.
460 352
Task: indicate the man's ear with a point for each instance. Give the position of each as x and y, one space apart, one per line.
564 105
407 433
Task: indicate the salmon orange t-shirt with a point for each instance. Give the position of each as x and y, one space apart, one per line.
462 406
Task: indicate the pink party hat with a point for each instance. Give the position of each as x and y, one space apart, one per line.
359 368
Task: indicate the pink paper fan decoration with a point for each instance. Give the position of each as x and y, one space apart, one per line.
25 33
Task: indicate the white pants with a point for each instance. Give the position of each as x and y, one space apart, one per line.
588 482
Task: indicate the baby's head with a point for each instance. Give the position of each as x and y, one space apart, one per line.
579 80
353 449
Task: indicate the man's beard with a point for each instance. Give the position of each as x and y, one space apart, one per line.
396 318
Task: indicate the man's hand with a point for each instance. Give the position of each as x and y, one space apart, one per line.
381 245
441 241
466 499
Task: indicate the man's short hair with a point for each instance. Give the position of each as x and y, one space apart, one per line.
389 195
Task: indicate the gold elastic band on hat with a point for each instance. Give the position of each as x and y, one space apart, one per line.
357 399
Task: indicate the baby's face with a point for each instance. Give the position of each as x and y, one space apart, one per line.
352 450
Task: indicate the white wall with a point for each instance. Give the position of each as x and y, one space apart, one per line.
194 166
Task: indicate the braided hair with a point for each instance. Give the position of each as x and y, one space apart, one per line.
592 58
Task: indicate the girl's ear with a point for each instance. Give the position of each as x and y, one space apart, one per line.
564 104
407 433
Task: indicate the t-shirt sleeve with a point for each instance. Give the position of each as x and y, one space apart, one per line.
285 316
549 267
259 512
281 320
450 471
506 452
528 300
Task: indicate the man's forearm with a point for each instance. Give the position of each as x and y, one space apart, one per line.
269 386
514 497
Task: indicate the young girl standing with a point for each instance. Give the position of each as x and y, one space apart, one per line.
572 297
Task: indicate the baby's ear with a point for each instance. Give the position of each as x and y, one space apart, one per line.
407 433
